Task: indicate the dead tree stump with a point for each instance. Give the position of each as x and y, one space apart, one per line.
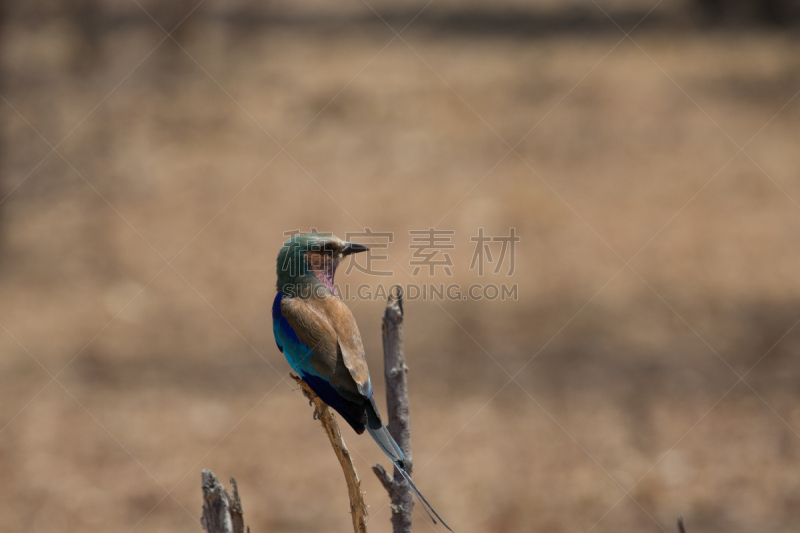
395 369
222 512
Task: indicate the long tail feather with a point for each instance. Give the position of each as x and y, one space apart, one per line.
420 497
384 439
423 501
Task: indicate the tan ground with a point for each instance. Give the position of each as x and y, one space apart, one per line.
625 377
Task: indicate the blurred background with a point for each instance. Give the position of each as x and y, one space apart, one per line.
648 368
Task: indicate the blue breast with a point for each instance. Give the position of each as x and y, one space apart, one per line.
296 352
299 356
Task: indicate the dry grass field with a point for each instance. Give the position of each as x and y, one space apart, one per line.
648 368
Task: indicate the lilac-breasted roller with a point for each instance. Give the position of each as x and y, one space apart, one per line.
318 335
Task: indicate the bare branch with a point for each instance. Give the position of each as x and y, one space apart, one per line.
385 479
358 508
398 412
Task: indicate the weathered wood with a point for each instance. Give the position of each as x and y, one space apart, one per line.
222 512
402 498
358 508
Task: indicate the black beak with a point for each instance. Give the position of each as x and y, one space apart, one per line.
353 248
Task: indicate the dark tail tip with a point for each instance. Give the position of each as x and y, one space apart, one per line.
425 505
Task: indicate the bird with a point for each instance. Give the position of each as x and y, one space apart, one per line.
319 337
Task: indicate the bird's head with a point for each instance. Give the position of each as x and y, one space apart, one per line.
309 259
